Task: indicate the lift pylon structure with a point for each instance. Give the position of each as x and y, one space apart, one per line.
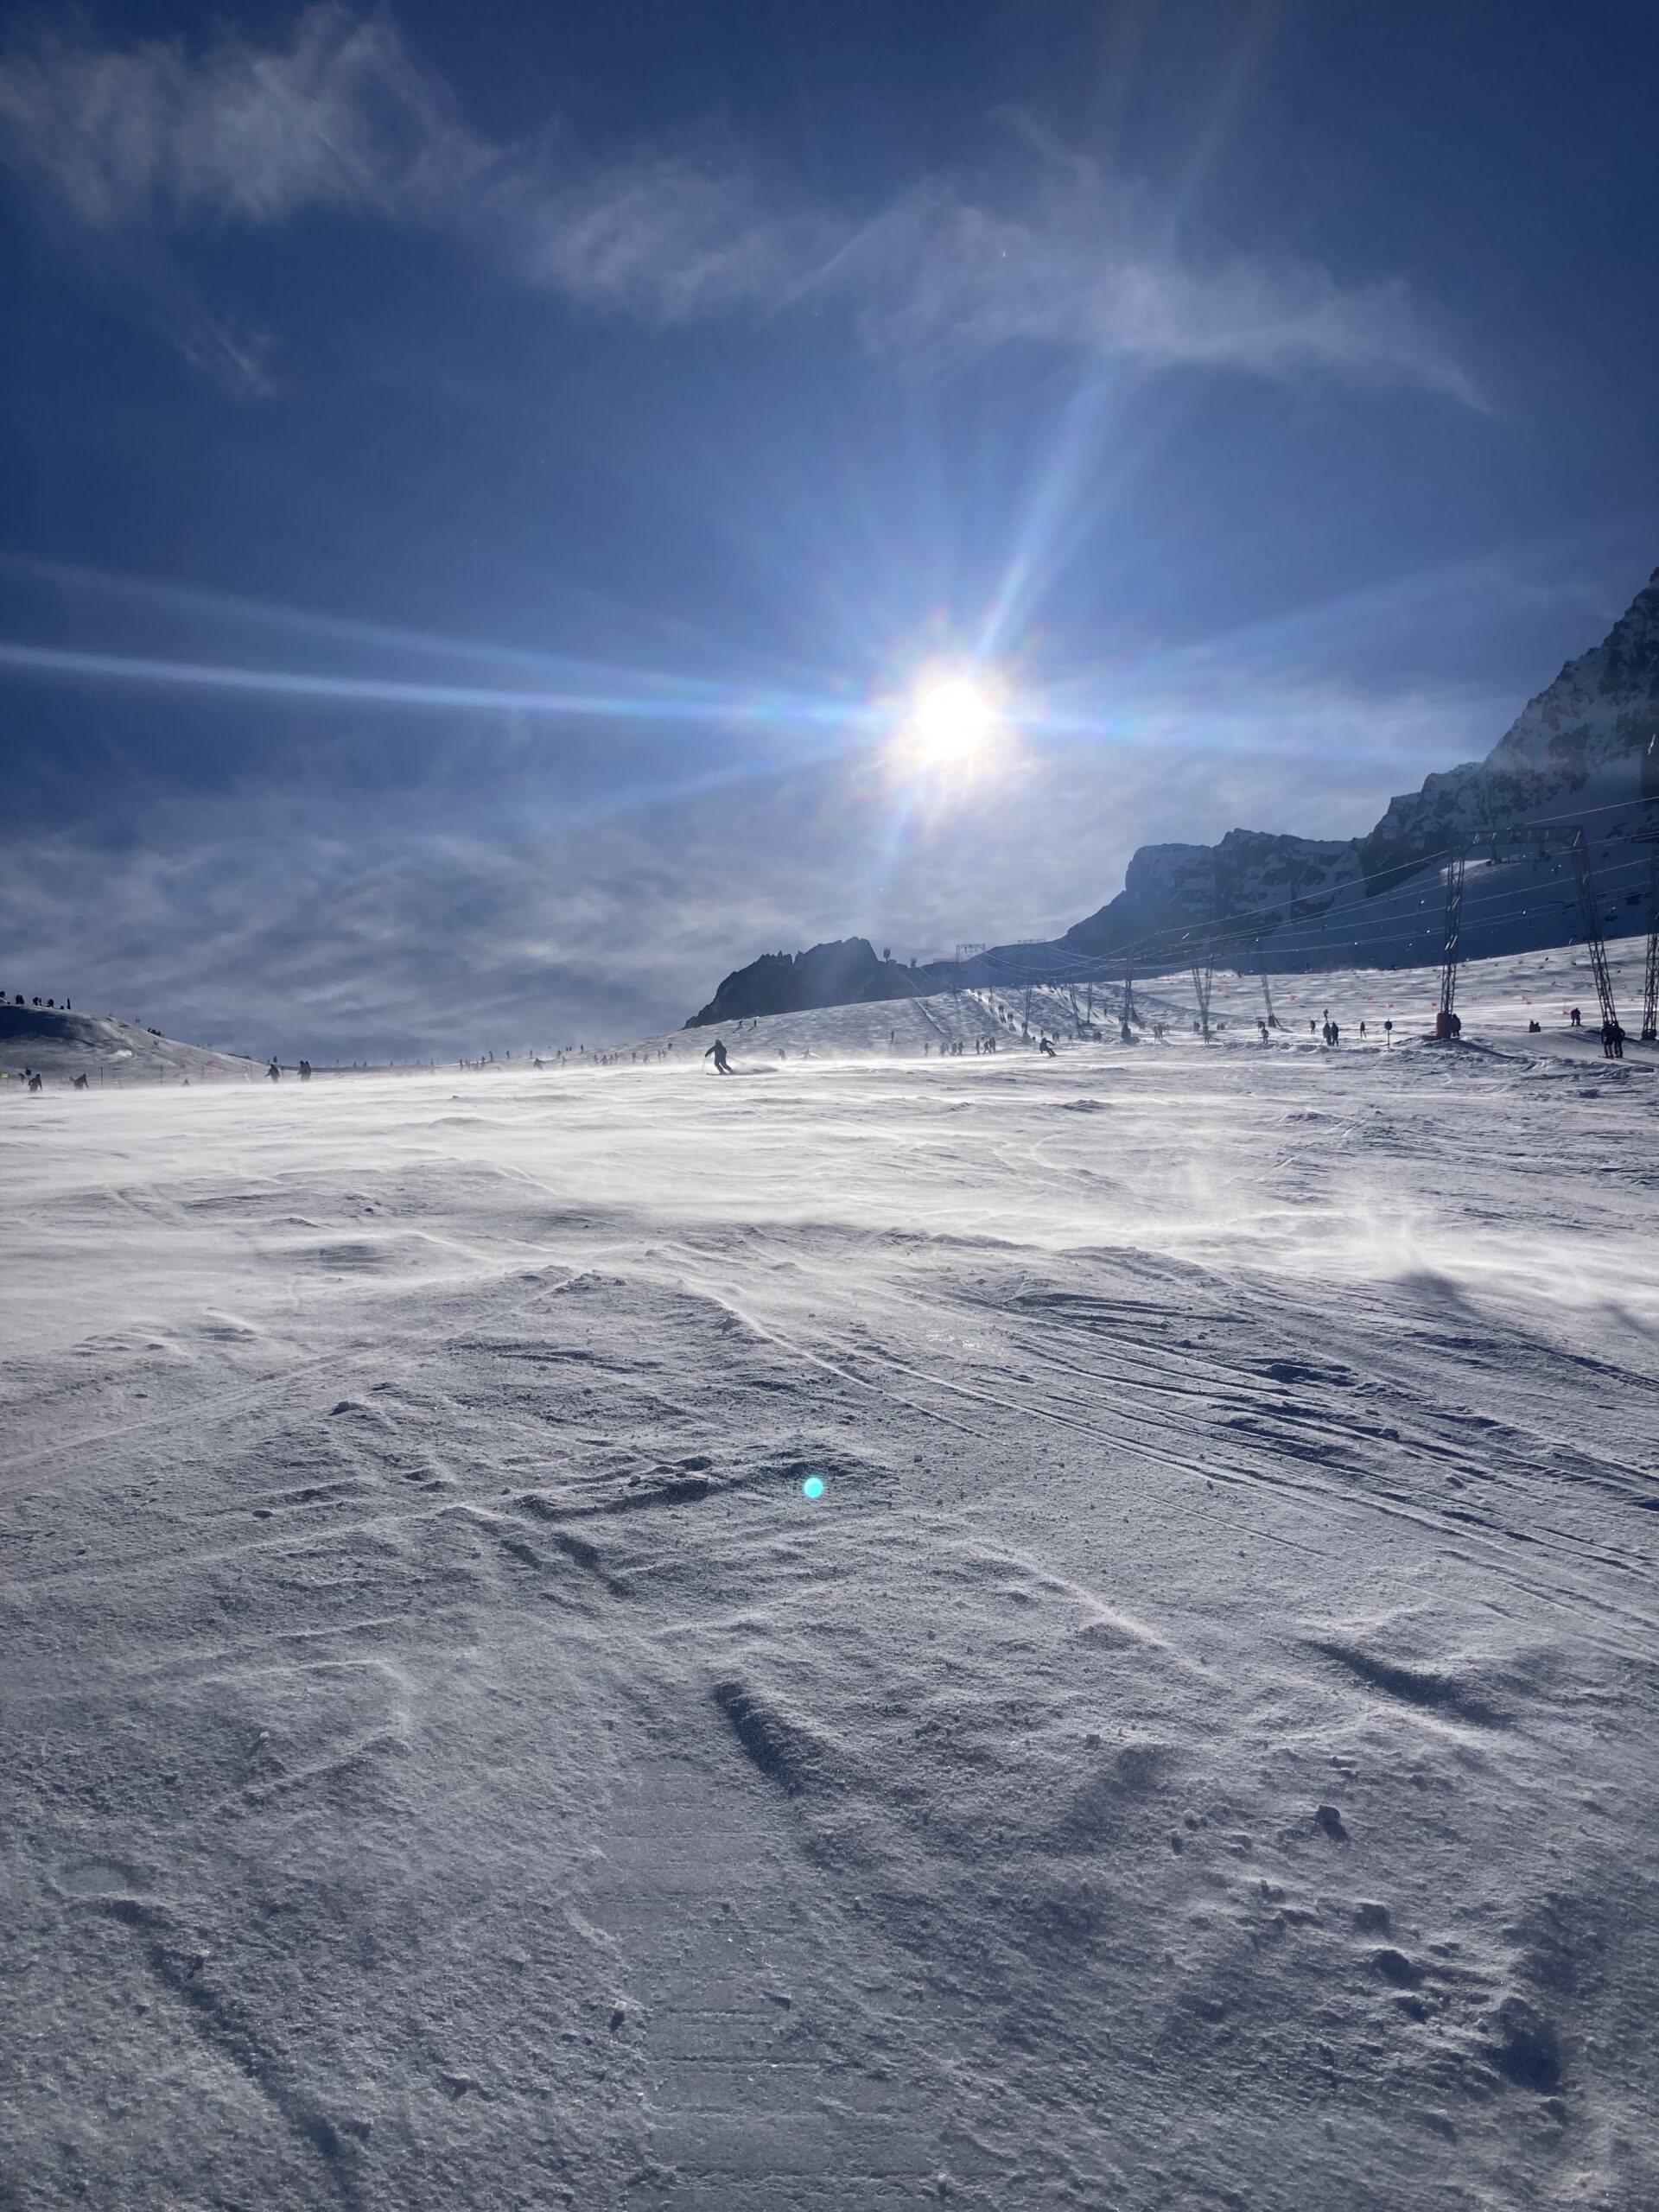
1446 1021
1204 972
1613 1037
1203 976
1650 832
964 952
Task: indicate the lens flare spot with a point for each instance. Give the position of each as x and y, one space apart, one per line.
813 1486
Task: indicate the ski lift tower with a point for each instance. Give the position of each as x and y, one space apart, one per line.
1203 963
1201 953
1650 831
1611 1035
1446 1024
965 952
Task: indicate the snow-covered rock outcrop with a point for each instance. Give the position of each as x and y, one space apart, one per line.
1591 739
1585 748
1250 879
844 972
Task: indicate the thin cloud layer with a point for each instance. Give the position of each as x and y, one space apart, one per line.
153 141
276 919
338 115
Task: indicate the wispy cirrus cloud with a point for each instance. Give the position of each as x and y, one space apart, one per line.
337 115
282 915
154 140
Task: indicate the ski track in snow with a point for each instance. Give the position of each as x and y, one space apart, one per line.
1196 1753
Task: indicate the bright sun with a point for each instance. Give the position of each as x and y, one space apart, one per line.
951 723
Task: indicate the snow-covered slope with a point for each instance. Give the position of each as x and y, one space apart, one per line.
61 1044
1196 1752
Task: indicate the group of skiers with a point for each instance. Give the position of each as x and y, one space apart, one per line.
952 1048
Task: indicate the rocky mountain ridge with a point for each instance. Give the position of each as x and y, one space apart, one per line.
1585 748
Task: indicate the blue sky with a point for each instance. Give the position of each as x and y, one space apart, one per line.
483 485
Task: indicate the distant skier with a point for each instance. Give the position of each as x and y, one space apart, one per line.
33 1083
305 1071
1575 1018
716 1052
1046 1047
273 1073
79 1083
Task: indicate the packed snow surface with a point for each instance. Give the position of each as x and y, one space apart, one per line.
1196 1748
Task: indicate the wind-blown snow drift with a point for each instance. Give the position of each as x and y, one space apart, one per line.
1196 1752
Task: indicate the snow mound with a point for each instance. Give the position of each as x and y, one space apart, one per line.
60 1045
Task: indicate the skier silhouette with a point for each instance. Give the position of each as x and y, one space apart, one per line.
716 1052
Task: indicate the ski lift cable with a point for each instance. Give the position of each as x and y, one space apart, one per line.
1175 943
